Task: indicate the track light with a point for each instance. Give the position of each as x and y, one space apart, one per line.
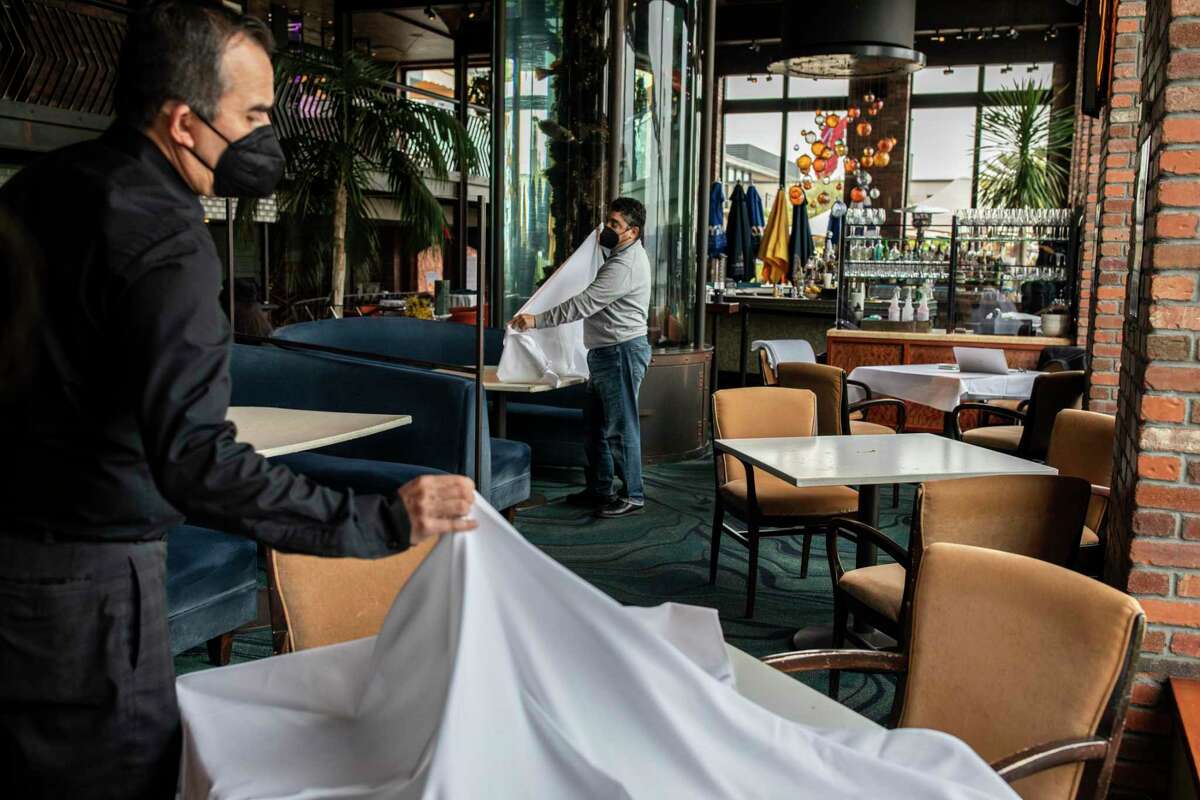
1012 33
429 12
470 12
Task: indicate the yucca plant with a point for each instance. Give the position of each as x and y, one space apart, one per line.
1025 148
347 134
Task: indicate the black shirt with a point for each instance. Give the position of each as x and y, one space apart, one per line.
122 433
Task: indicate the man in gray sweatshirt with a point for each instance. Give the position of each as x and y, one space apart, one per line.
614 308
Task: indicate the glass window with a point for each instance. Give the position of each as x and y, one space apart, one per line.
818 87
942 143
753 87
438 82
942 80
1005 76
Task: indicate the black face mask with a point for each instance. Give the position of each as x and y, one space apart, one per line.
249 167
609 238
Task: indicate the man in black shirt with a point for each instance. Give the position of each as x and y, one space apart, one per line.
118 432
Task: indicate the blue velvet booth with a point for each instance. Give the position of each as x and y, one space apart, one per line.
551 423
211 586
442 407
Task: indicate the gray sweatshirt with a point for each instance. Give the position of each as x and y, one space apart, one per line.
614 306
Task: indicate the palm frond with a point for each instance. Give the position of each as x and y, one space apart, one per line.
1025 144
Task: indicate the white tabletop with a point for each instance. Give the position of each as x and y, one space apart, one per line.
493 384
782 694
867 460
279 431
943 386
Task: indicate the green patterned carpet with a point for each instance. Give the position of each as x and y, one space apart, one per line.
662 555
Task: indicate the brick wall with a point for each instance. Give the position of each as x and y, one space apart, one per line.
1154 530
1107 246
891 121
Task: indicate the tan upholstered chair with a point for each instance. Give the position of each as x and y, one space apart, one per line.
765 369
768 506
1030 437
836 416
1028 663
1081 446
1032 515
319 601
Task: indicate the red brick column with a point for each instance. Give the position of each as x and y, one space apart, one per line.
1154 527
1114 197
891 121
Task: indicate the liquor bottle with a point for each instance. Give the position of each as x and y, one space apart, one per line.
894 306
923 306
906 313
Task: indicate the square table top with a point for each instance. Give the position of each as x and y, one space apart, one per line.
873 460
280 431
944 386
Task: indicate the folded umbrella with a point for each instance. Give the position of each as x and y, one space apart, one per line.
716 221
800 246
774 248
738 238
754 206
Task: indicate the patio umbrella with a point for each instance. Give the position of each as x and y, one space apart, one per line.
800 246
738 238
716 221
774 248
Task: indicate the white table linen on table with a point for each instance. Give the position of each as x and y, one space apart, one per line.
942 388
500 674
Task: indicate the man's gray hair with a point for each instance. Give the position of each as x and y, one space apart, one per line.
173 51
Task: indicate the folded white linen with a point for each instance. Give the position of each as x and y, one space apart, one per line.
785 351
552 355
500 674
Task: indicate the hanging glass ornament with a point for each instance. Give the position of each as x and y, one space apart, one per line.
879 104
818 149
868 151
853 111
867 161
818 165
807 184
851 165
884 145
795 148
882 159
827 180
872 110
864 178
795 195
840 186
874 193
819 118
809 137
839 208
804 162
857 195
868 98
863 128
840 148
823 199
831 121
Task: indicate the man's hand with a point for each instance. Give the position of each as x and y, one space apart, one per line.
437 504
522 322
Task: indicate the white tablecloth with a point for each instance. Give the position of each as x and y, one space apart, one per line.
500 674
942 388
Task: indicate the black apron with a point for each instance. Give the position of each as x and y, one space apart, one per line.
87 682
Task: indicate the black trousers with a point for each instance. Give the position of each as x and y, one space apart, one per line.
87 683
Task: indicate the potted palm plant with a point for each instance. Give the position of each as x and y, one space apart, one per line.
1025 147
350 135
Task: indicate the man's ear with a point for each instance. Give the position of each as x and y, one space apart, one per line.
179 121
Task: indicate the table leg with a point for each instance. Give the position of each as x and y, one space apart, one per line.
501 399
716 369
948 424
744 347
868 513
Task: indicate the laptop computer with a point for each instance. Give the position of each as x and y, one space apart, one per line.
980 359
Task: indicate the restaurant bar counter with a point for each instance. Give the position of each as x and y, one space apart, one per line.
849 349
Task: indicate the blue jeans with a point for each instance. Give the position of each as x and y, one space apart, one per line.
614 434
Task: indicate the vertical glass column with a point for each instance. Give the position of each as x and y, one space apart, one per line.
659 160
533 49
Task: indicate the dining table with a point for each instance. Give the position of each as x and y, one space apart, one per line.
275 431
866 463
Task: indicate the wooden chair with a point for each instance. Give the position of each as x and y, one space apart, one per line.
1030 436
1028 663
317 601
836 416
768 506
1032 515
1081 445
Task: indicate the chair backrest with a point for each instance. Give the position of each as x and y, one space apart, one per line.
330 600
828 384
402 337
1052 392
1032 515
758 412
1008 652
1081 446
764 367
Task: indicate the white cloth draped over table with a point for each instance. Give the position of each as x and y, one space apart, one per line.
943 389
550 355
500 674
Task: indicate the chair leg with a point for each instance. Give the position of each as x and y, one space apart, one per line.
806 547
718 522
752 571
510 514
220 649
840 615
895 495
